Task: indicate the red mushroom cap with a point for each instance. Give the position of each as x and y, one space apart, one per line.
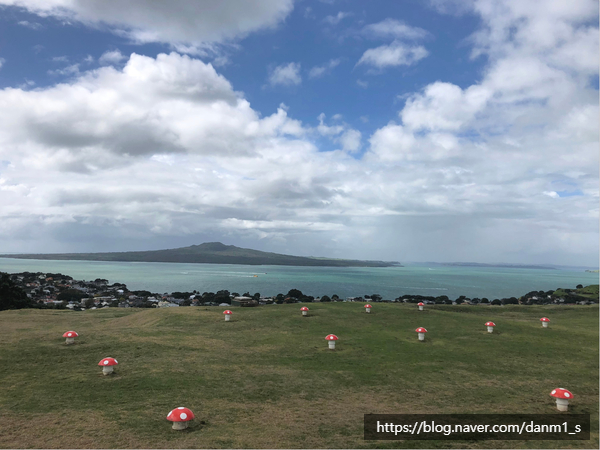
108 362
70 334
331 337
421 304
490 324
545 319
304 308
421 330
227 312
368 306
180 414
561 393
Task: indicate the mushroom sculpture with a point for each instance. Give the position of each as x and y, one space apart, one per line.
304 310
331 338
108 365
227 315
180 417
545 322
70 335
421 331
421 304
490 326
368 308
562 397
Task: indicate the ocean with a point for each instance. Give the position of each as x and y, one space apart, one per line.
389 282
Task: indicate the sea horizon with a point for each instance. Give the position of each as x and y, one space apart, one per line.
389 282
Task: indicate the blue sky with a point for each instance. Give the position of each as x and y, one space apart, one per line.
443 130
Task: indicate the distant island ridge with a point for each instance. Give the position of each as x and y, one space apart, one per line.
208 253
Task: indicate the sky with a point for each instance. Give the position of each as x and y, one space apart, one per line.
439 130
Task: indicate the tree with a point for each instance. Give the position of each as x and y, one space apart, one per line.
484 300
496 302
71 295
11 295
579 286
295 293
510 301
325 298
334 298
222 297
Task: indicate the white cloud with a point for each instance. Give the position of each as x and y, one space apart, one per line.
111 57
392 28
2 61
31 25
319 71
394 54
444 106
351 140
340 133
334 20
164 148
181 23
285 75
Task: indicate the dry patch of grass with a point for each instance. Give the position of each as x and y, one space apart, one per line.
81 429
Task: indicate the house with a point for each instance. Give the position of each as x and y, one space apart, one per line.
243 301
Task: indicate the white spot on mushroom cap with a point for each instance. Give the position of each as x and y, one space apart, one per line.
70 334
553 392
105 363
181 407
567 394
183 416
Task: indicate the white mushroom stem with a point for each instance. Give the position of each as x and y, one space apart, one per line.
70 340
368 310
180 425
490 329
421 308
107 370
421 336
562 404
305 313
227 317
545 324
332 345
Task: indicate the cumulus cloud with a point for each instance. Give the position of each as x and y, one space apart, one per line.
394 54
2 61
164 148
111 57
334 20
180 23
319 71
285 75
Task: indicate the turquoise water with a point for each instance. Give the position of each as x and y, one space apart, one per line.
390 282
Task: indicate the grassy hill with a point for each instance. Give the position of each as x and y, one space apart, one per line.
267 380
590 292
209 252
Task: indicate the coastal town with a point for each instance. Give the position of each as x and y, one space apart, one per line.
59 291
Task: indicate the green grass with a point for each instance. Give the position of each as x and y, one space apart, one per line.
267 379
590 292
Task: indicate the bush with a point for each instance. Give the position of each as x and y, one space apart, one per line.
11 295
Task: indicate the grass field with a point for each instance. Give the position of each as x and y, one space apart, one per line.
267 379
